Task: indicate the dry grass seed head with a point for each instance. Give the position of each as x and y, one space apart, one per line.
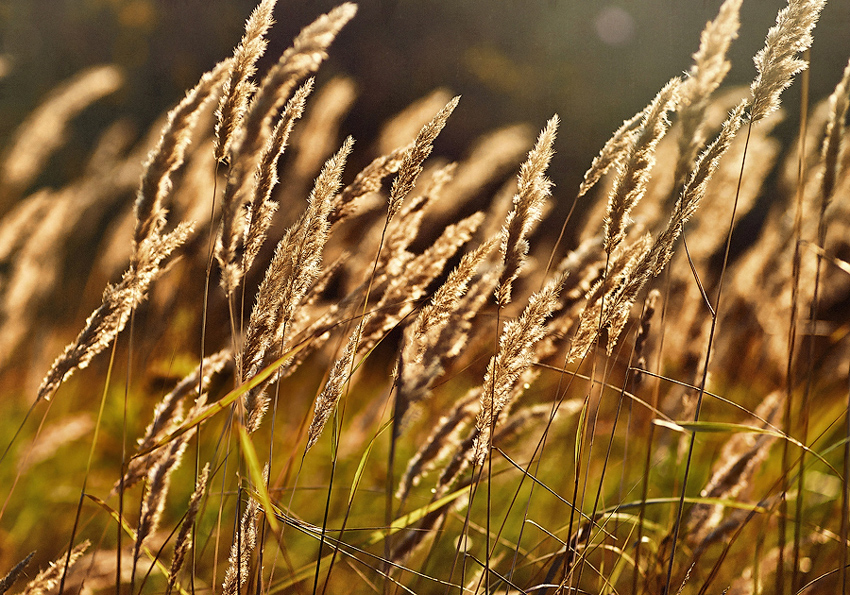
48 579
411 165
443 439
317 138
533 188
418 372
238 87
833 144
184 536
709 69
610 299
159 481
338 378
240 552
168 156
295 267
108 320
261 207
308 51
513 357
368 181
777 62
635 171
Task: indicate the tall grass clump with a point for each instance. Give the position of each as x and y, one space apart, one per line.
333 388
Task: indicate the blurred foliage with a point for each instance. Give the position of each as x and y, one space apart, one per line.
594 64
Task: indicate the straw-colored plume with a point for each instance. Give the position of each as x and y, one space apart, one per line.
318 136
411 165
777 62
444 438
158 483
119 301
368 181
513 357
533 188
420 362
261 207
238 87
184 536
834 141
244 542
334 387
295 267
305 56
631 182
49 578
168 155
709 69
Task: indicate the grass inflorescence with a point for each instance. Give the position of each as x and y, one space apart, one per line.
304 378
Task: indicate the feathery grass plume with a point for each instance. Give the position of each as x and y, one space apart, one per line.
777 62
444 438
705 236
420 363
304 57
411 165
48 579
456 336
337 379
613 152
404 228
654 259
262 207
404 290
294 268
184 536
238 87
158 483
119 301
240 217
167 416
459 463
240 552
634 173
317 137
165 411
606 303
709 69
405 125
366 182
833 143
45 130
513 357
168 155
533 188
739 460
693 193
7 581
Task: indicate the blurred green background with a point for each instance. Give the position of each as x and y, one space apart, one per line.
594 63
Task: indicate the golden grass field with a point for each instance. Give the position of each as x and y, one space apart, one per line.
417 375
